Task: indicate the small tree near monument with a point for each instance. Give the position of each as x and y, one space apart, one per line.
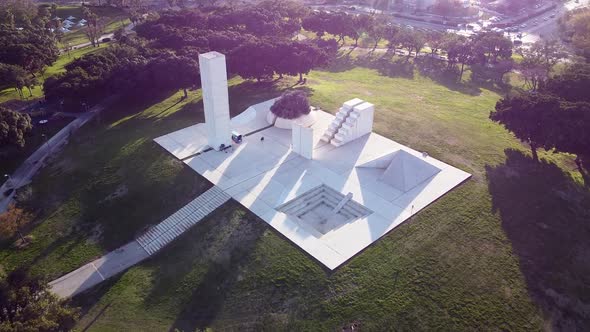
291 105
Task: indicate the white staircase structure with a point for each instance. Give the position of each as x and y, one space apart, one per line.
353 120
169 229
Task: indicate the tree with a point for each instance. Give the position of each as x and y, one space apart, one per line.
406 39
392 34
539 60
297 58
291 105
316 22
550 52
27 304
94 27
418 42
251 59
169 72
17 12
435 40
571 84
533 71
490 47
459 50
529 118
15 77
575 28
378 30
13 127
571 133
31 49
360 24
12 222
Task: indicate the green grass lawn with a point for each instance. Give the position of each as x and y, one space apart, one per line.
57 67
507 250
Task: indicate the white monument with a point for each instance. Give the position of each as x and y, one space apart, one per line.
215 99
302 140
358 186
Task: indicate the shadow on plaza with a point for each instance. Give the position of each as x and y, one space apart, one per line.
546 217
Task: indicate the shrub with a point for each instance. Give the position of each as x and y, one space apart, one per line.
291 105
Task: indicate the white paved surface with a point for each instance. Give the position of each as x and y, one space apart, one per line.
146 245
264 174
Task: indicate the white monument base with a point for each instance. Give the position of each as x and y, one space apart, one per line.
267 176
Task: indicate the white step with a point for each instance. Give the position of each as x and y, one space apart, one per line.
340 136
336 142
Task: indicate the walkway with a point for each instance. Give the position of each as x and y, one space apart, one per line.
143 247
29 167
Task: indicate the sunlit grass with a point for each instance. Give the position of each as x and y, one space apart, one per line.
452 267
57 68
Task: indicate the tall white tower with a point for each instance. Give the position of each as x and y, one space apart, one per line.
215 98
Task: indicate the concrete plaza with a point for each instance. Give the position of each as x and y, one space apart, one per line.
387 182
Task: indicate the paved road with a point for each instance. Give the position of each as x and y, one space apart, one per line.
530 34
29 168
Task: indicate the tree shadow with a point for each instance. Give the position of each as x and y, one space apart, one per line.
342 63
441 73
546 217
393 67
207 266
92 297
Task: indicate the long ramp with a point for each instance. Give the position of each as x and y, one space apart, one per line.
147 244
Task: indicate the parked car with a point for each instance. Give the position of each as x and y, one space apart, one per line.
106 40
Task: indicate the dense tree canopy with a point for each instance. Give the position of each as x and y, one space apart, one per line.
258 42
26 304
575 28
527 116
17 12
572 84
24 53
31 49
13 127
557 116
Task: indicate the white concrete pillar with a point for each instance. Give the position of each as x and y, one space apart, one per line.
302 140
215 98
